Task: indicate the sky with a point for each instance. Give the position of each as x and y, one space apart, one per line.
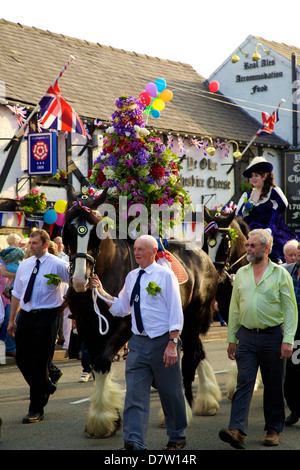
202 34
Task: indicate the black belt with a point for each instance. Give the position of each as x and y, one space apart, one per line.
262 330
39 310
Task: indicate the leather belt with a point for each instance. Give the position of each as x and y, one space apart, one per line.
262 330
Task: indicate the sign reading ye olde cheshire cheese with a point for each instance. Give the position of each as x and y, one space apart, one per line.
211 182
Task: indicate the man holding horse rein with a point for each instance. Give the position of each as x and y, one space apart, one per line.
154 347
263 319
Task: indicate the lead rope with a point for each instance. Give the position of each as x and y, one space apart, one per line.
101 317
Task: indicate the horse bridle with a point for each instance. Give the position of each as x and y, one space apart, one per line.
82 231
227 267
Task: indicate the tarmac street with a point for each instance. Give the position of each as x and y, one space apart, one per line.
65 414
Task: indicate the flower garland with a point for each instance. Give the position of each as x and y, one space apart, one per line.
135 163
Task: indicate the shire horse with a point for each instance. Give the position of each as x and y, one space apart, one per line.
225 236
104 335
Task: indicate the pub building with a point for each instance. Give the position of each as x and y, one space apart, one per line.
205 127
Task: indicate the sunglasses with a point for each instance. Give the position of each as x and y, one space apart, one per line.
253 245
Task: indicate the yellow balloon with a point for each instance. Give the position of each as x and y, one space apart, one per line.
158 104
166 95
60 206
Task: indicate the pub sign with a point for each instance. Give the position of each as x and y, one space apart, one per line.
42 153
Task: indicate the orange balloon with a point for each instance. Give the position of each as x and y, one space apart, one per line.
166 95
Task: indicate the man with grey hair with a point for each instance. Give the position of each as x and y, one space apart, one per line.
292 372
151 294
262 323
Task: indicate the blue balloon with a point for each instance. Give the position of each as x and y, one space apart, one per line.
50 216
161 84
155 113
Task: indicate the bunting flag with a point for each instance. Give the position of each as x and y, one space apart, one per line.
20 112
170 140
181 144
57 114
97 123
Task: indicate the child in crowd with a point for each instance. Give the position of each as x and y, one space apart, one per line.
12 257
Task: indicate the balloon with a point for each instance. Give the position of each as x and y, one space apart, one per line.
158 104
214 86
145 98
60 219
166 95
50 216
155 113
60 206
151 88
161 84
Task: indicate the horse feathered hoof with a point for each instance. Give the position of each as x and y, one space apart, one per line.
104 418
110 433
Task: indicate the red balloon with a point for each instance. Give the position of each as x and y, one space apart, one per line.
214 86
145 98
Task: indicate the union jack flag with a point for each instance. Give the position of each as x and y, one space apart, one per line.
20 112
196 143
57 114
181 144
170 141
269 122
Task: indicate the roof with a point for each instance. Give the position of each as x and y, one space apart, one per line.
30 60
281 48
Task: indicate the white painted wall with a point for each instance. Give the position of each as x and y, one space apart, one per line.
259 95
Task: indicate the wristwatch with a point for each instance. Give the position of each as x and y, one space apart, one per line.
174 340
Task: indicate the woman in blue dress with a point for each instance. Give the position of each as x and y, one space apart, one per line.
264 206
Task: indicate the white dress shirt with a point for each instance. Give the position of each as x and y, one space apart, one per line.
161 313
44 295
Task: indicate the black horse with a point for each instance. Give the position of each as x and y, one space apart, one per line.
104 335
225 237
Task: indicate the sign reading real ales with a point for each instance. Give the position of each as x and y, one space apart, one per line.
292 190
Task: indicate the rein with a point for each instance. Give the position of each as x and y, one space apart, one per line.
213 225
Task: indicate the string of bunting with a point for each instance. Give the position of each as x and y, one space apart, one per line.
199 144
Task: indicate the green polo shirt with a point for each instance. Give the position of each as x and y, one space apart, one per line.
269 303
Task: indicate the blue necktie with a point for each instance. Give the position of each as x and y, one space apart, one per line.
29 287
135 297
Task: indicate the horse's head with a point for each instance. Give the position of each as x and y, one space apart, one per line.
80 236
218 236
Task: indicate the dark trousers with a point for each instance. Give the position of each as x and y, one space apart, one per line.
35 342
259 350
292 378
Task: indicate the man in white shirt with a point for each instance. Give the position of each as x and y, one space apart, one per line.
154 348
36 328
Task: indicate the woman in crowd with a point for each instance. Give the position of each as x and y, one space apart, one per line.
265 205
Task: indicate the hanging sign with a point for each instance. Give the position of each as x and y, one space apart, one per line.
42 154
292 190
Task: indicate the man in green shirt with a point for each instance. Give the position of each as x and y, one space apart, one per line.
262 323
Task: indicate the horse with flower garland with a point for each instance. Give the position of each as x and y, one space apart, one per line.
137 166
225 236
